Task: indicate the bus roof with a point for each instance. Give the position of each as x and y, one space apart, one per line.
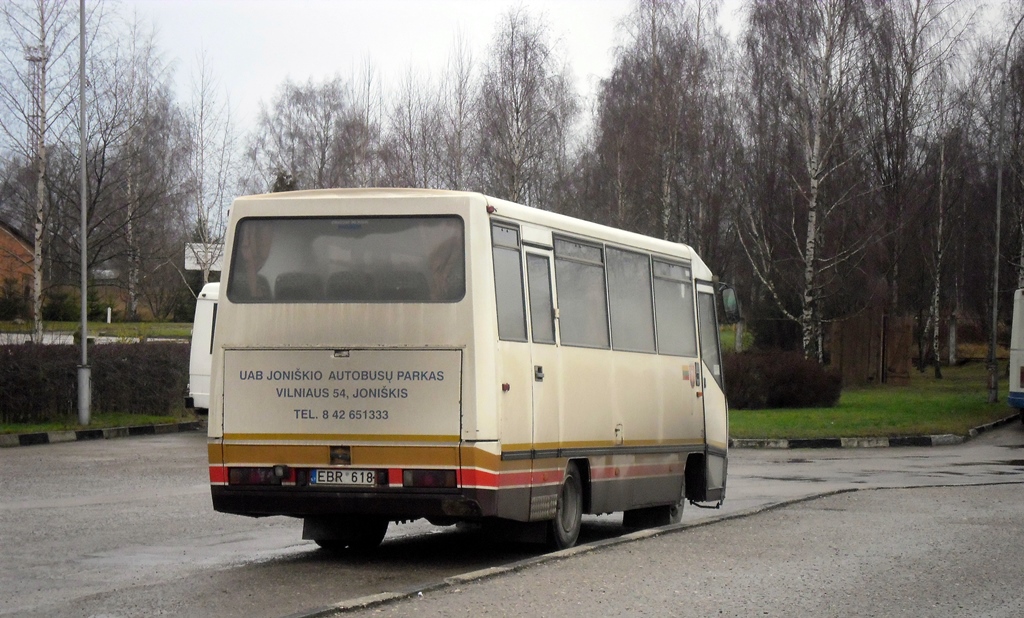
505 209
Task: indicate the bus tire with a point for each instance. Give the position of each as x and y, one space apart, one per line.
355 534
675 511
564 529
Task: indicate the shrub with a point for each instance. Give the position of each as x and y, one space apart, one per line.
140 378
12 303
39 383
61 306
778 379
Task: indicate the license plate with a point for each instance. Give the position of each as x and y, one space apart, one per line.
360 478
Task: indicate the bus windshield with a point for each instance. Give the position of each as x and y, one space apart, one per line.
348 260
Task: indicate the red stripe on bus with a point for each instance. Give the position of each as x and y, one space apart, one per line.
487 479
471 477
634 471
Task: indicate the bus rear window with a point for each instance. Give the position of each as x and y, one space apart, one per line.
348 260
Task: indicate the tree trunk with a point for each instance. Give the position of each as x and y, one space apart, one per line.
40 224
952 339
937 277
808 315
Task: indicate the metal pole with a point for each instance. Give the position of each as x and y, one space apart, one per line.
84 386
993 365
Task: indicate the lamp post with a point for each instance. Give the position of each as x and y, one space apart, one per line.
993 366
84 373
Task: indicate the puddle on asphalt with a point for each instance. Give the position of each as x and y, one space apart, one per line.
799 479
1009 462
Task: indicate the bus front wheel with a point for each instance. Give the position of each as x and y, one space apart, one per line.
564 529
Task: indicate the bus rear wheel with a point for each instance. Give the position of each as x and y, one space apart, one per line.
352 533
564 529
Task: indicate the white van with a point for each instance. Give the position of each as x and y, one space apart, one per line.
202 349
1016 399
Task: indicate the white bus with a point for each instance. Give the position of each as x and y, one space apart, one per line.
1016 398
201 350
392 354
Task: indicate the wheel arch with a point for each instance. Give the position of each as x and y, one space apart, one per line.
583 465
695 477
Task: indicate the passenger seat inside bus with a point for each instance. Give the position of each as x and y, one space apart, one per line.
408 285
351 286
240 289
298 286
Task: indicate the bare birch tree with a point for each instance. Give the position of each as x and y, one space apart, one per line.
811 54
456 117
412 148
943 220
911 41
131 164
37 74
365 132
210 166
148 152
301 133
525 109
667 139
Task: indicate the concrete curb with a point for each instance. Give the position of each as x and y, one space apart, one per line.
383 598
53 437
947 439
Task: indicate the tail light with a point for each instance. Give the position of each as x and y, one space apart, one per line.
429 479
273 475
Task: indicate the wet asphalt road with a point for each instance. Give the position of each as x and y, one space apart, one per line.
916 552
125 528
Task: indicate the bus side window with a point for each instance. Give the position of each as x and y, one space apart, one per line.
709 335
673 304
508 283
582 302
542 315
629 290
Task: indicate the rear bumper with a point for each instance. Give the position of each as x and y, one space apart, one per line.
1016 400
292 501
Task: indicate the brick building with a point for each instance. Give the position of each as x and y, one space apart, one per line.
15 266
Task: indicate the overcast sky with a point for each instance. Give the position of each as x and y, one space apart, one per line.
254 45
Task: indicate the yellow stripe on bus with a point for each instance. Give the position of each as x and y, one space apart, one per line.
339 437
320 455
550 446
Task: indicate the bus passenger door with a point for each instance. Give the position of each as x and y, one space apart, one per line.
544 352
716 411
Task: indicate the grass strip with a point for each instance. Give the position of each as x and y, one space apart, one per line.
926 406
104 420
119 330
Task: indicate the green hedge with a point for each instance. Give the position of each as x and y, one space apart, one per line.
779 379
39 383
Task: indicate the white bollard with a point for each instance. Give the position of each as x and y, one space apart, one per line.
108 315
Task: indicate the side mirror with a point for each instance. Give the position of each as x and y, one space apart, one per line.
731 304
